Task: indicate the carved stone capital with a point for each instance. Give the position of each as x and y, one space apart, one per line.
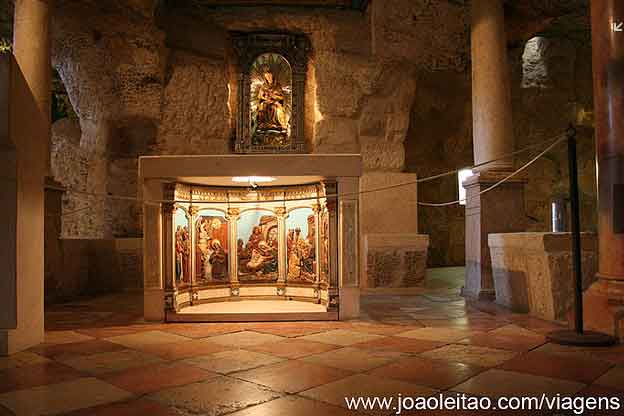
280 211
193 210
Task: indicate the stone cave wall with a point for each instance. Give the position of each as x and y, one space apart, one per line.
392 83
147 81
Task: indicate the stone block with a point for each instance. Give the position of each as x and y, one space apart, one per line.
395 260
533 271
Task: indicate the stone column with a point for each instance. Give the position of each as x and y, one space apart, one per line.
348 248
331 188
29 131
153 290
491 91
317 242
168 240
501 210
607 295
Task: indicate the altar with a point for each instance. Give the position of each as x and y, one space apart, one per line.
250 237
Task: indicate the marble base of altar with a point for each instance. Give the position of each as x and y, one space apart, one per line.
209 239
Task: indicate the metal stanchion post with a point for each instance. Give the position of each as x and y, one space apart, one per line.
578 336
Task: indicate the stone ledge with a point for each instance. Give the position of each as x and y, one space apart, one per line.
551 242
533 271
395 260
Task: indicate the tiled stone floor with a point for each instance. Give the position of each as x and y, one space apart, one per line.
99 358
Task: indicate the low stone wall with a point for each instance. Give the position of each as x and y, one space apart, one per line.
395 260
533 271
92 266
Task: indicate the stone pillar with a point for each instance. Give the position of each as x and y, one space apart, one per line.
331 188
607 295
500 210
348 249
491 91
153 290
29 130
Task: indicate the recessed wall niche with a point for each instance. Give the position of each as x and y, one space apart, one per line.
271 70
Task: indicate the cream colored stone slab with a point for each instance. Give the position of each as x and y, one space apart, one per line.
107 362
470 354
141 339
226 362
613 378
245 339
440 334
362 385
215 397
62 397
64 337
341 337
497 383
353 359
21 359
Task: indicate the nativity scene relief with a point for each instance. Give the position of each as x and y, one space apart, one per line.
258 246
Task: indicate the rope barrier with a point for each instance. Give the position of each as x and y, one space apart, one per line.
554 141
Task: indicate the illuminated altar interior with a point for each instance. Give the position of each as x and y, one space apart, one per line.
268 237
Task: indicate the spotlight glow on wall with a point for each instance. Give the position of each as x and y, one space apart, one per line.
253 181
462 175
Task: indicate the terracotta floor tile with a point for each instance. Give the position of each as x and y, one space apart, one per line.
156 377
108 362
613 354
293 406
140 407
245 339
215 397
146 338
291 329
496 383
76 349
613 378
230 361
21 359
292 376
36 375
62 397
505 342
114 331
512 330
292 348
378 329
353 359
468 354
479 324
400 344
440 375
203 330
341 337
182 350
441 334
581 369
362 385
64 337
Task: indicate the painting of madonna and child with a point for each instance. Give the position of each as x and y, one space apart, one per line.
211 249
301 246
257 246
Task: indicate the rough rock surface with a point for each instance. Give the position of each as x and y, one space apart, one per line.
392 83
